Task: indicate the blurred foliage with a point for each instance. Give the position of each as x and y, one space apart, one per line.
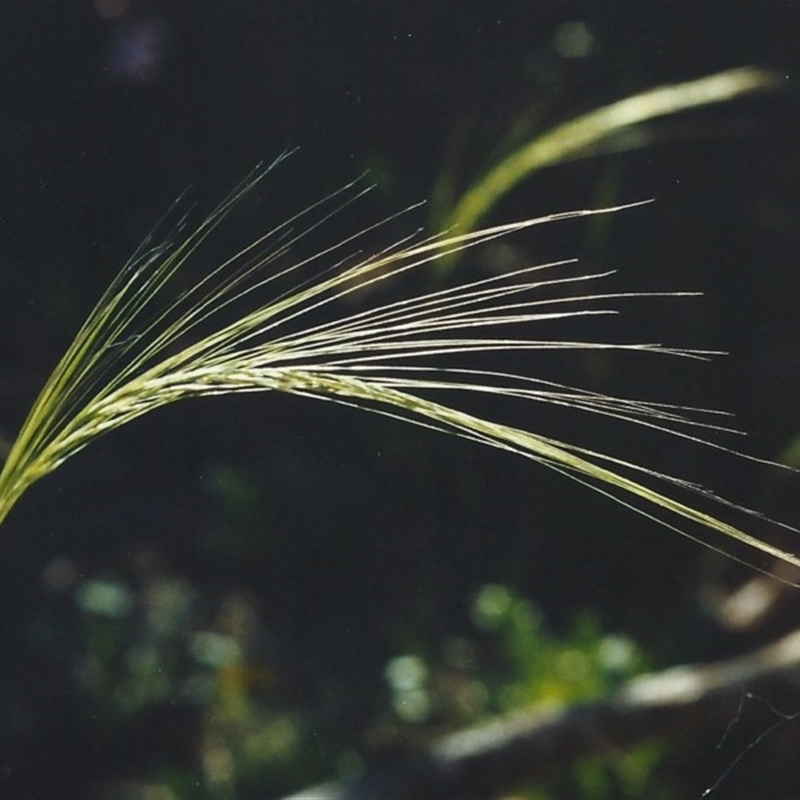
153 642
512 662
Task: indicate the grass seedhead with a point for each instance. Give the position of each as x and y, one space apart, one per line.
265 320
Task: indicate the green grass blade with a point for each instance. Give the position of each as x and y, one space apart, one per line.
581 136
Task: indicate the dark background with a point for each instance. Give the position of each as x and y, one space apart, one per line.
344 530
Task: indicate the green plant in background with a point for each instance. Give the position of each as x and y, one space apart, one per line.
152 643
544 670
262 322
517 662
513 662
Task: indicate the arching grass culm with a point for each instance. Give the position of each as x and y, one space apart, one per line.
265 320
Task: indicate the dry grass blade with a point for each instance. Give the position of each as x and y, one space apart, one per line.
263 322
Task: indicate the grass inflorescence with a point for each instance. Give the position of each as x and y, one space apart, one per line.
264 320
